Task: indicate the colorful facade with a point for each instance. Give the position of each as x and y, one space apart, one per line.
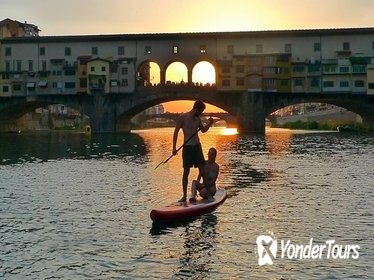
298 61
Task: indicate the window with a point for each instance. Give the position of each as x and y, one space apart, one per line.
83 82
344 84
121 50
269 83
42 51
269 70
125 71
329 69
69 85
372 45
148 50
298 68
19 65
346 46
67 51
94 50
359 68
92 68
175 49
230 49
313 68
259 49
31 66
103 68
202 49
371 85
269 60
240 82
225 83
299 82
359 83
5 89
344 69
124 82
8 51
17 87
288 48
327 84
317 47
69 71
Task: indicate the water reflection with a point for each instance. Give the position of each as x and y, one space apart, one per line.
94 224
278 143
199 243
22 148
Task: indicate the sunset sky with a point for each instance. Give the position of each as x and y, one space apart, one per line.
73 17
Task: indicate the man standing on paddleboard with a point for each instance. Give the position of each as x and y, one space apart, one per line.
192 154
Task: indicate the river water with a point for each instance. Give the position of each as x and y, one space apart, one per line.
78 208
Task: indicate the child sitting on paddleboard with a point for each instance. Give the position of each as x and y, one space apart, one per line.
207 188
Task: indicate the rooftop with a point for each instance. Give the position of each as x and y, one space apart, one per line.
192 35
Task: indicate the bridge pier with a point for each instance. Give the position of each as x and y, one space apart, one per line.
124 124
102 113
251 114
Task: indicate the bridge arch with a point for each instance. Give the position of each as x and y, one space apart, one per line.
67 114
204 72
146 75
125 117
177 72
345 101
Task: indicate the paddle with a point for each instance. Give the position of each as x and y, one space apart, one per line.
165 161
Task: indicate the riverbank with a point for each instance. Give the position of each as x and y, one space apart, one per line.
327 125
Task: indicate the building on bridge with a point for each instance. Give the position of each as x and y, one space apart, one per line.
325 60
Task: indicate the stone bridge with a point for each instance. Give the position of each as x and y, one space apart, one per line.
113 112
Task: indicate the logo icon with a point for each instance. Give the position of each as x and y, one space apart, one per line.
266 249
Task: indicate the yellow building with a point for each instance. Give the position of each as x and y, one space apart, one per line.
98 75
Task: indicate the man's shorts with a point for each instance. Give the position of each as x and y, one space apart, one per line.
193 156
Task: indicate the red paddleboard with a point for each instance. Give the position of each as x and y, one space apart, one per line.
187 210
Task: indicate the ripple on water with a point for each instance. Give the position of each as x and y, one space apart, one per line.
79 209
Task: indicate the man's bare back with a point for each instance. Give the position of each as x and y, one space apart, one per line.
190 124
